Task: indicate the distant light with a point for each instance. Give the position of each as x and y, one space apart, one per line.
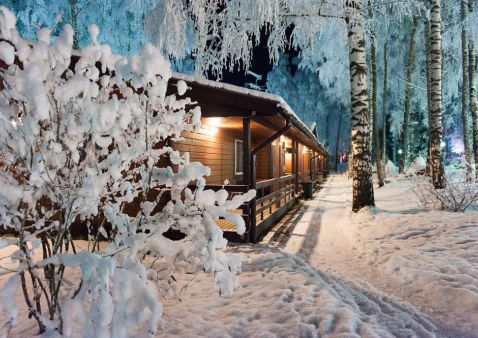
442 144
400 151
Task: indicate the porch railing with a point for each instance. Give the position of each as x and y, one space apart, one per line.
283 193
272 194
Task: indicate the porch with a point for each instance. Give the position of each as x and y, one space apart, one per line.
252 140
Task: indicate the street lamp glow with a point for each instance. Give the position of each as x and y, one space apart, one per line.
400 151
442 144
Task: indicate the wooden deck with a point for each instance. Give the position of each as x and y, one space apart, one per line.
266 206
228 226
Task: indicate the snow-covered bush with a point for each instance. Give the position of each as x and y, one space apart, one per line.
82 136
458 194
391 169
417 167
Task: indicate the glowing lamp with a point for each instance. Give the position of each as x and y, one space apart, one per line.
214 122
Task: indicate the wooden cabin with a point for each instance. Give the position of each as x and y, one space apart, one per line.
252 140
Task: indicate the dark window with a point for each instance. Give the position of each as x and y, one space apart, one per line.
238 156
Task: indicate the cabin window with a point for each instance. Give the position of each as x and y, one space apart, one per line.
238 156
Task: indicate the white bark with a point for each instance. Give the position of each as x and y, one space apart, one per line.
465 92
361 164
436 129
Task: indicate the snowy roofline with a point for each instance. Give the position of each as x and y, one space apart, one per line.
281 103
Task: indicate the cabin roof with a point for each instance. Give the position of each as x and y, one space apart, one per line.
226 100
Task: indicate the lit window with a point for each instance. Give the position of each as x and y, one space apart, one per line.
238 155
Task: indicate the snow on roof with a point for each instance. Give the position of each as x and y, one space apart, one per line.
281 103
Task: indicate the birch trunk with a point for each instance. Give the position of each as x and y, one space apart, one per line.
361 163
74 22
472 87
408 96
429 104
384 107
376 138
436 129
337 140
465 90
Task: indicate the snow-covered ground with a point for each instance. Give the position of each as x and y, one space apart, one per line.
283 296
391 271
428 258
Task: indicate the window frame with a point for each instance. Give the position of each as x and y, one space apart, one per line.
236 160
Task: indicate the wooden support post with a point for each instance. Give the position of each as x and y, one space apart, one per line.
296 172
253 202
294 164
247 173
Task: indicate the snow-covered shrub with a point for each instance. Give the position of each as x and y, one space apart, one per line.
458 195
391 169
417 167
80 142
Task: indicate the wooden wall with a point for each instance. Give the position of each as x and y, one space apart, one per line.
215 150
263 166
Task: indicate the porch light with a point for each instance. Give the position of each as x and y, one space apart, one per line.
212 124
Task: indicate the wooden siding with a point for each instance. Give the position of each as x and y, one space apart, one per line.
263 163
215 150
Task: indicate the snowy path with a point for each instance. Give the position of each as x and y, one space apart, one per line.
282 296
426 258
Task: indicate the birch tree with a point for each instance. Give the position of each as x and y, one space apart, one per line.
363 194
376 137
408 96
472 87
465 91
436 129
384 105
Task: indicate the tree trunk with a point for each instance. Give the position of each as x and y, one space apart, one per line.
473 103
361 163
429 104
384 107
376 138
436 129
465 91
337 141
74 22
408 96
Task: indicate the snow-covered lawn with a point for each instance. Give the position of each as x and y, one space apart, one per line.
392 271
428 258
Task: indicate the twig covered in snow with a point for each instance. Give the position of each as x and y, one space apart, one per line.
81 142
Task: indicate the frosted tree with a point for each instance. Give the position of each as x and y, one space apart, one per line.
464 96
404 146
222 37
436 129
472 84
81 141
121 22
